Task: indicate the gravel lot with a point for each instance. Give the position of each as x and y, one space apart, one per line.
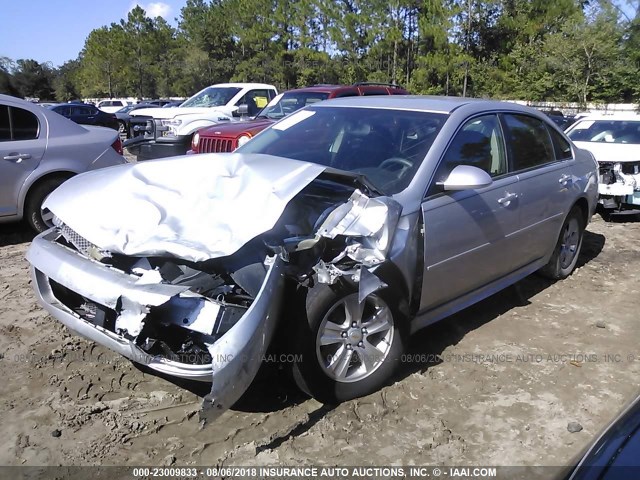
496 384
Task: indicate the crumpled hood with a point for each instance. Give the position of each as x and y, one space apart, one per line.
611 152
193 207
167 113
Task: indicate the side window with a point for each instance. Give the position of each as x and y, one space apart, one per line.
65 111
5 127
480 144
80 111
561 146
25 124
529 142
256 100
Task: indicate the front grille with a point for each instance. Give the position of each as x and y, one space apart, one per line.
81 244
141 126
215 145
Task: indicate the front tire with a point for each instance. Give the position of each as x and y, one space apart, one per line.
347 349
565 255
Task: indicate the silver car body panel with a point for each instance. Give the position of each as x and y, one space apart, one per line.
62 147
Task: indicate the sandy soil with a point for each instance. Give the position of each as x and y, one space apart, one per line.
496 384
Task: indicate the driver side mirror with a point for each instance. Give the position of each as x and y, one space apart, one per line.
466 177
242 111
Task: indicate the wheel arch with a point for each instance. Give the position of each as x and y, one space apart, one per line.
30 187
583 204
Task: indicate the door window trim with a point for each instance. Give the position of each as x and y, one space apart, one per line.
510 155
12 138
509 171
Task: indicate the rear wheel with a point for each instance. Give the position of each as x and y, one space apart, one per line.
565 255
347 349
35 199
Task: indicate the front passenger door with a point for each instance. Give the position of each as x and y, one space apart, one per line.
468 234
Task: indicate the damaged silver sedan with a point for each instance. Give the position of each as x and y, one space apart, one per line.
352 223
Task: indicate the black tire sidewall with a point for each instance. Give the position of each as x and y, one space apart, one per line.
554 269
33 204
308 373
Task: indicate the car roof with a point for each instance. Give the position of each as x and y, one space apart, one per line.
243 85
71 105
327 88
426 103
611 116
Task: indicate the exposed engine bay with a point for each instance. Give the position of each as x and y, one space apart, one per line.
619 184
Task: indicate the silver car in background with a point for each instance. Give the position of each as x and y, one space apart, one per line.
345 227
40 149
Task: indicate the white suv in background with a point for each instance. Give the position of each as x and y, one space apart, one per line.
112 106
165 132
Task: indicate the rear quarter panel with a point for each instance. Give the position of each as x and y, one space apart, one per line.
73 153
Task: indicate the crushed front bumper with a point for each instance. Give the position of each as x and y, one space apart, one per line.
236 355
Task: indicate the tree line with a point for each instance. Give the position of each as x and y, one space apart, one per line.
561 50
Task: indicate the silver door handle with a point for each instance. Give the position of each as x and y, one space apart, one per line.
506 200
17 157
565 180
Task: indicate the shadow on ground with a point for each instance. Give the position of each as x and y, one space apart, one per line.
15 233
430 342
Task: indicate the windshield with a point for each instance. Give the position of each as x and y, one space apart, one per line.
287 103
606 131
126 109
211 97
387 146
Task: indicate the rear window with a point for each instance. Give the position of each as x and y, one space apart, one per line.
606 131
24 124
290 102
560 145
17 124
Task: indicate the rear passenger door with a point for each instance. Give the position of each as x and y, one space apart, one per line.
22 145
541 157
469 234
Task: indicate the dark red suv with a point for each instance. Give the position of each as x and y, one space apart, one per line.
229 136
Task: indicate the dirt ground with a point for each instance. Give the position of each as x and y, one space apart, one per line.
496 384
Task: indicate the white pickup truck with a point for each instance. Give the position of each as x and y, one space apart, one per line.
165 132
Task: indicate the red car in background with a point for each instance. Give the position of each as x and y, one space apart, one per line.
228 137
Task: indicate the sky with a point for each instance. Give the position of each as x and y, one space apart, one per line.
55 30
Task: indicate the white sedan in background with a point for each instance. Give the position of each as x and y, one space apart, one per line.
614 141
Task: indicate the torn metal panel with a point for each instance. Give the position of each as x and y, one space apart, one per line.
369 283
194 208
369 225
361 216
237 356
